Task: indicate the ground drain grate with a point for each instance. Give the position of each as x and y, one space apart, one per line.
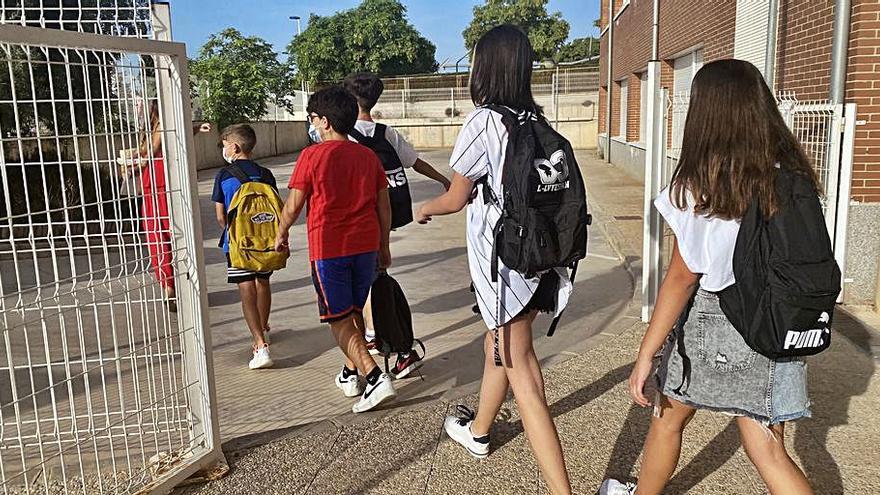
627 217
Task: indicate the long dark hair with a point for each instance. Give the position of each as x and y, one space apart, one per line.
734 136
501 71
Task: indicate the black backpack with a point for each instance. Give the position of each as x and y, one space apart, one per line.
544 217
398 185
392 318
787 279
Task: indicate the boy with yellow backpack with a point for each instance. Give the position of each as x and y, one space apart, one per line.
248 208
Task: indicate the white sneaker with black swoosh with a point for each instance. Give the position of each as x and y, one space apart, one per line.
375 394
350 386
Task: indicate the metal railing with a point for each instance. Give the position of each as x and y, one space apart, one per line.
570 94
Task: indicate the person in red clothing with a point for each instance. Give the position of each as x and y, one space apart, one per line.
348 222
155 214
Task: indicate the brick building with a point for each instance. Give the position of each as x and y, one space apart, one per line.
693 32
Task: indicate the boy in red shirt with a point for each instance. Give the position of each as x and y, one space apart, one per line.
349 220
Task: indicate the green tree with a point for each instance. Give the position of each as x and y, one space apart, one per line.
578 49
374 36
547 32
236 76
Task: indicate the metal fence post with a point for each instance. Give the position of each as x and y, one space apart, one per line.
193 319
452 101
655 154
844 186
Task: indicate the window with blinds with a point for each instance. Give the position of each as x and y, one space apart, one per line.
750 32
685 68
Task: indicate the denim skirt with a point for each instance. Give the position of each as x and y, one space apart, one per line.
706 364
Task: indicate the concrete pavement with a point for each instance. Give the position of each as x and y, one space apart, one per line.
403 450
430 263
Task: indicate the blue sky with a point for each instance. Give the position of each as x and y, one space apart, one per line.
441 21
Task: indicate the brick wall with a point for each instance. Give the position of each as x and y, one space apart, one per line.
603 95
803 60
863 89
684 24
687 23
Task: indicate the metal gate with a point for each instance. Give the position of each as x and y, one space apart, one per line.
826 132
103 389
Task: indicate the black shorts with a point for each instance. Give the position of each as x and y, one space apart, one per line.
238 275
544 298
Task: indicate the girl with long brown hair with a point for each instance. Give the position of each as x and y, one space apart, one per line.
735 143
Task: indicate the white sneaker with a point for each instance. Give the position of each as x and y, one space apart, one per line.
376 394
614 487
351 386
459 429
261 358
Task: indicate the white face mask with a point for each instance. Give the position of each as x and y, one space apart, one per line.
314 135
227 158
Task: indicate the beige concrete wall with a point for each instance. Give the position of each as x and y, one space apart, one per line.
877 291
443 134
272 139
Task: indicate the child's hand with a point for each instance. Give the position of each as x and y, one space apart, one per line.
637 379
384 258
282 244
422 218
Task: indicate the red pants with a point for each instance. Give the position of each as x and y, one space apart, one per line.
156 222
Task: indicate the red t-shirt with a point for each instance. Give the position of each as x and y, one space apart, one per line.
341 181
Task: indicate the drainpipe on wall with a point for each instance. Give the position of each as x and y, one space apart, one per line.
837 96
608 93
770 50
839 48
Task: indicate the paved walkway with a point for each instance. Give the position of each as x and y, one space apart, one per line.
430 263
403 451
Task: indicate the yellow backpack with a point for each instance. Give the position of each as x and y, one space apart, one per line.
252 223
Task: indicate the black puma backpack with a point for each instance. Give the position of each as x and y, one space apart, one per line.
544 217
787 280
398 185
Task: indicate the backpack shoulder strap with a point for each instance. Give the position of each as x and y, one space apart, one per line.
265 175
236 171
380 132
358 135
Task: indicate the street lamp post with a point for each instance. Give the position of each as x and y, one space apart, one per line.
302 81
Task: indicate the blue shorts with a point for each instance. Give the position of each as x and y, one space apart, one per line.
343 284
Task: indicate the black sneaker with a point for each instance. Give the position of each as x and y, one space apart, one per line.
406 364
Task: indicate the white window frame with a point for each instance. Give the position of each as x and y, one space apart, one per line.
623 94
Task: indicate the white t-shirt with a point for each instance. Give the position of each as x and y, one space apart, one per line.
405 151
706 244
479 151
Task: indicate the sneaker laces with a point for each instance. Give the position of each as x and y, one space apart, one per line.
465 414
